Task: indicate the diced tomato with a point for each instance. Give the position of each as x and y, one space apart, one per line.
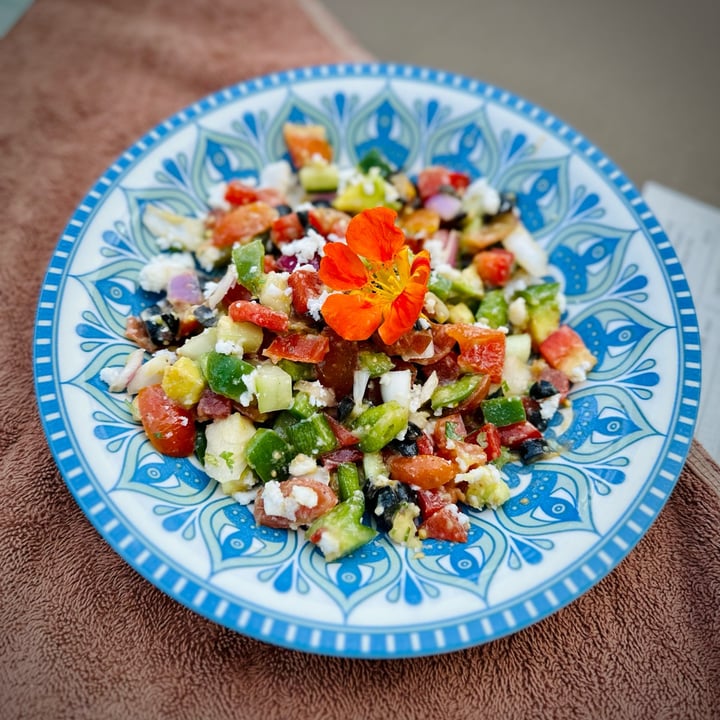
410 346
236 292
558 379
304 515
435 179
447 431
343 436
446 524
271 196
430 501
559 344
565 350
337 368
443 344
424 471
446 368
449 436
306 141
329 221
482 350
238 193
169 426
189 325
306 285
459 180
431 179
485 357
298 347
425 445
332 459
494 266
514 435
286 229
254 312
243 223
492 441
488 438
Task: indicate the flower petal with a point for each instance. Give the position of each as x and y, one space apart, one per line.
374 235
341 268
403 313
420 270
352 316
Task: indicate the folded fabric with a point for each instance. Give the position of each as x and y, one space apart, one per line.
84 636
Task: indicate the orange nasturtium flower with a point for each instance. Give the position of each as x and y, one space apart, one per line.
382 287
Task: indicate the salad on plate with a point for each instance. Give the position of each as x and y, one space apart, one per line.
351 350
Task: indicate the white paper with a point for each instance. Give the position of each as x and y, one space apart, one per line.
694 230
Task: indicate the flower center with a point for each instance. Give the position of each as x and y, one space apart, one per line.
389 279
385 279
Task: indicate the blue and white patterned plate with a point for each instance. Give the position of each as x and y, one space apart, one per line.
569 521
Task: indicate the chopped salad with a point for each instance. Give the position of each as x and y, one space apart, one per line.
351 350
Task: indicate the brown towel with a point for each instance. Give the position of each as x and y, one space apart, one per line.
81 634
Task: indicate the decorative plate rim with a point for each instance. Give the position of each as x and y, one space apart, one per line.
427 638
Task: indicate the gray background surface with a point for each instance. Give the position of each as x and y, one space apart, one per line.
640 79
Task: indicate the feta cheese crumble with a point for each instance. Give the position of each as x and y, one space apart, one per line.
286 506
157 273
305 248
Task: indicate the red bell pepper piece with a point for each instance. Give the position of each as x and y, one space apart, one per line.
299 348
565 350
238 193
514 435
254 312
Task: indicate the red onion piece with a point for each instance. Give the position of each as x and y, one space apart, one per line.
184 288
221 289
286 263
451 247
132 364
446 206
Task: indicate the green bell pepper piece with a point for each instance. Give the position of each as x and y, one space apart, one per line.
312 436
249 262
348 480
440 285
224 374
454 393
297 370
269 455
372 159
378 425
340 531
282 422
493 308
503 411
376 363
302 407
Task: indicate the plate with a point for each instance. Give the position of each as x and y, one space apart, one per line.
569 521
